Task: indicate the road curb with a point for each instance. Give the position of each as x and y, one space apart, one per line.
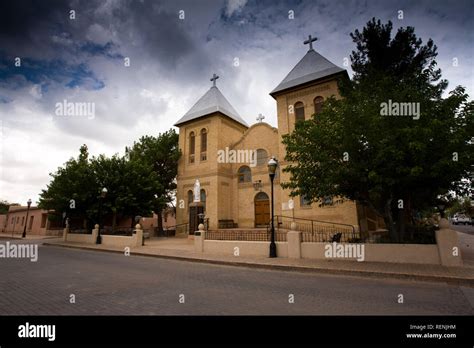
371 274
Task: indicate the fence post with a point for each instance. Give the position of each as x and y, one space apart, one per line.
95 232
65 232
199 237
294 242
139 241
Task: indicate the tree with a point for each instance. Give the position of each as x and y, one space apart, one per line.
461 205
162 154
4 206
71 189
130 185
393 164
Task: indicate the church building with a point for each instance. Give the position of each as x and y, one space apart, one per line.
234 186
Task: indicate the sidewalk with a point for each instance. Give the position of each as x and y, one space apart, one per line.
183 249
17 235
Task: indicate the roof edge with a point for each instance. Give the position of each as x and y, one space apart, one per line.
215 113
309 83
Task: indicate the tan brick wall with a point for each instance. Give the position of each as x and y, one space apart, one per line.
226 198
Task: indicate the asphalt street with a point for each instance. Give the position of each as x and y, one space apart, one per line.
79 282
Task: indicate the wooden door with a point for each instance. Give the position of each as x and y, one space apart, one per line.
262 212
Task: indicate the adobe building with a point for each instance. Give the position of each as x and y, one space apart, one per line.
215 141
37 222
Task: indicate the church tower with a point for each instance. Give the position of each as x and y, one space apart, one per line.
300 95
210 125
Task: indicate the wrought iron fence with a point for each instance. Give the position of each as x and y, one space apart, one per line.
80 230
245 235
118 231
316 231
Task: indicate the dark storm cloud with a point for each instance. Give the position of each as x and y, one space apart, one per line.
18 19
171 62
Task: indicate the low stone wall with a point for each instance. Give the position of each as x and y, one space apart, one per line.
118 241
445 252
228 247
80 238
121 241
394 253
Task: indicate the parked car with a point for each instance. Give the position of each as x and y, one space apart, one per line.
460 219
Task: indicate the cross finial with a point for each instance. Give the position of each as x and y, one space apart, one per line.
310 41
260 118
213 79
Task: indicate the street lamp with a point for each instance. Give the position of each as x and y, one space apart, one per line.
272 166
26 222
103 193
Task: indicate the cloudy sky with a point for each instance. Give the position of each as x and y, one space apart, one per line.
83 59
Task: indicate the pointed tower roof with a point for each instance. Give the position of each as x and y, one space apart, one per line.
212 101
311 67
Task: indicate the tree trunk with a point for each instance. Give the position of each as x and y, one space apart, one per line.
114 220
401 225
388 217
159 214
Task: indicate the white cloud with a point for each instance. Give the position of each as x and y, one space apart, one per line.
233 6
171 63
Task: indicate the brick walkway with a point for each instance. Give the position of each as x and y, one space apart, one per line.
182 249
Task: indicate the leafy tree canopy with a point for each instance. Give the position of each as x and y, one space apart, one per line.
394 164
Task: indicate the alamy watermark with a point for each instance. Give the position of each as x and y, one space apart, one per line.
67 108
346 251
37 331
392 108
19 251
237 156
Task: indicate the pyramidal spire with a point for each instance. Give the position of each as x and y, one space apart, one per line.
212 101
311 67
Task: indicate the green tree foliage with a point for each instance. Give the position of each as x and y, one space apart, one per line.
139 183
71 189
5 205
162 154
461 205
394 164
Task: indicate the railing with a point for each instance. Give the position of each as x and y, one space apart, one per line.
245 235
178 229
79 230
319 231
117 231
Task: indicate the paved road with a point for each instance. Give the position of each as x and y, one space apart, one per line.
468 229
106 283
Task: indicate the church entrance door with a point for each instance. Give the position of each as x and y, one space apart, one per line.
262 209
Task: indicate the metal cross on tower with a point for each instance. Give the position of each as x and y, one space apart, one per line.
310 41
260 118
213 79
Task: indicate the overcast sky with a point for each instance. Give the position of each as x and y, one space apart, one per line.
171 61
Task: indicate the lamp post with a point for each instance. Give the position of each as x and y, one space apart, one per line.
103 193
26 222
272 166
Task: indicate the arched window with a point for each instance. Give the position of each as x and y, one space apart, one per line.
262 157
245 175
318 104
203 144
299 112
261 196
192 144
190 197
